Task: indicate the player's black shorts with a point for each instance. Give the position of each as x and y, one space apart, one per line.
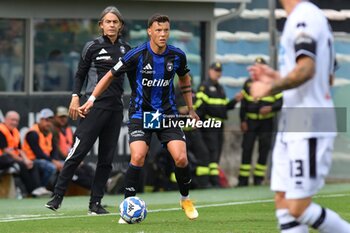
138 133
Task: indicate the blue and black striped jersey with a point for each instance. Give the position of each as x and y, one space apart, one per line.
151 78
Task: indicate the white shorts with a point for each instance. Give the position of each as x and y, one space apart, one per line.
299 167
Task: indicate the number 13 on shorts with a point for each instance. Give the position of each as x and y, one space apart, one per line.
310 161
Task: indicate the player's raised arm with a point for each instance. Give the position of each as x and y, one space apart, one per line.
186 89
303 71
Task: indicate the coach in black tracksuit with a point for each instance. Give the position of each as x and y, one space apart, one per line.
104 120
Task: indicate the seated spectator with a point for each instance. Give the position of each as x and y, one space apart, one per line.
12 155
39 147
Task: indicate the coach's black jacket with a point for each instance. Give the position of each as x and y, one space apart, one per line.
97 58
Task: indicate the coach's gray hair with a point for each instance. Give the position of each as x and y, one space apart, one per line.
113 10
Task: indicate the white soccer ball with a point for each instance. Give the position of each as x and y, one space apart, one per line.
133 210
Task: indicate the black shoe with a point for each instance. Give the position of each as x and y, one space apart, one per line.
214 181
96 208
243 181
258 180
201 182
55 202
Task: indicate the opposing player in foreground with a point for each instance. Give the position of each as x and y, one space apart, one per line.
151 69
302 152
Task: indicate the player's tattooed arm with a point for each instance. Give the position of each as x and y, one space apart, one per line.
186 89
303 71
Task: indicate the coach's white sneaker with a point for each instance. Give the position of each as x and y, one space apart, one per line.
122 221
190 210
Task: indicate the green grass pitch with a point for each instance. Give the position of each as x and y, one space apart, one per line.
243 210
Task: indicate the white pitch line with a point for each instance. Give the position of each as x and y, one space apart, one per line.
62 216
47 217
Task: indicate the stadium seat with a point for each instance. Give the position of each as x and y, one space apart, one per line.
7 186
76 190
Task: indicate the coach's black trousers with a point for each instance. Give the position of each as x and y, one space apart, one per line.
102 124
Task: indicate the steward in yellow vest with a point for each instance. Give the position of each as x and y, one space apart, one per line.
39 147
11 154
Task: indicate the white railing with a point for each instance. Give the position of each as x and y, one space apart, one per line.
175 34
242 35
279 13
231 81
264 36
239 58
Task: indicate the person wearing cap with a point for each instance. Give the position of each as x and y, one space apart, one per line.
257 121
212 103
105 119
11 154
62 132
39 147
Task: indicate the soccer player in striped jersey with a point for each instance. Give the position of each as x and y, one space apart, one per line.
151 69
303 148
